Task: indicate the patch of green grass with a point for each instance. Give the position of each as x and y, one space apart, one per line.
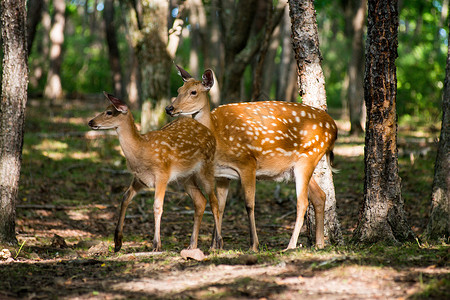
434 288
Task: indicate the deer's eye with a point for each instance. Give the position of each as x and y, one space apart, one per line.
109 113
193 93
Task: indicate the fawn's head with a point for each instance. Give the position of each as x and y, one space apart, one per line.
112 117
192 95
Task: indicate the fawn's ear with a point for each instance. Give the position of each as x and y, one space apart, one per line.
118 104
183 73
208 79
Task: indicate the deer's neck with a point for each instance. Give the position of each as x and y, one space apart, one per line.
204 117
129 137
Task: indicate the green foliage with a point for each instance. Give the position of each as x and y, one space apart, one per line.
422 52
420 73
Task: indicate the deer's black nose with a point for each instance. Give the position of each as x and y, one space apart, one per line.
169 109
91 123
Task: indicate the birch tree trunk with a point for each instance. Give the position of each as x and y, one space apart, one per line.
12 111
305 40
382 218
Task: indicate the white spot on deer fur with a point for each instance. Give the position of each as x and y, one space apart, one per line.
274 124
266 152
271 131
310 153
283 108
321 144
317 137
286 153
272 141
295 144
294 113
303 113
309 115
297 119
314 126
320 124
304 155
231 138
327 125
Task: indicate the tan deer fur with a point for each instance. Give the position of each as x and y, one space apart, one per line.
272 140
183 151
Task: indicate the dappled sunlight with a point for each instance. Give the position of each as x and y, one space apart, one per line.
349 150
58 150
71 120
48 228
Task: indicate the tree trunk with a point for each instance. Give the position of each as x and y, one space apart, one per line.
439 223
114 55
259 63
12 111
382 218
197 20
356 68
150 42
236 29
34 13
155 49
305 41
53 88
287 74
214 58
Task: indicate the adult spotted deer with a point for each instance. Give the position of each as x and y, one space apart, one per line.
182 150
262 140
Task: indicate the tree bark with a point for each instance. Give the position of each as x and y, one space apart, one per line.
197 20
382 218
155 49
240 45
12 111
114 54
356 68
236 28
214 58
305 40
53 88
439 223
287 74
34 13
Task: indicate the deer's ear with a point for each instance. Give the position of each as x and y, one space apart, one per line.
208 79
183 73
118 104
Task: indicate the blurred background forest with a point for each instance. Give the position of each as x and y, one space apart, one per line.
100 50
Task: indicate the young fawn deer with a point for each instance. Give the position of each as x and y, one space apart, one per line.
262 140
182 150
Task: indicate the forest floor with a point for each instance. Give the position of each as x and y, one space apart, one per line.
71 184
